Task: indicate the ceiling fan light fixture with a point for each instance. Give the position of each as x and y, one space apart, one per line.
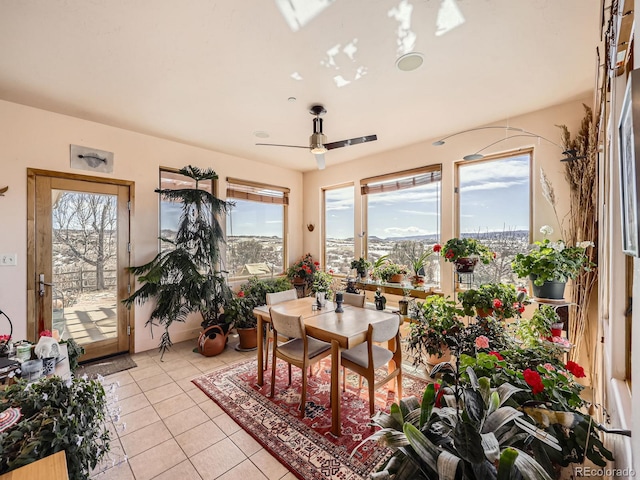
316 143
318 149
410 61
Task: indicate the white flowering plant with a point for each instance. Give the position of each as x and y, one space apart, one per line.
552 261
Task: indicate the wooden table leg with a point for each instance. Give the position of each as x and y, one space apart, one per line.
335 388
260 365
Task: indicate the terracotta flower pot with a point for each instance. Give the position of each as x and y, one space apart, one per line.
484 312
248 338
444 356
397 278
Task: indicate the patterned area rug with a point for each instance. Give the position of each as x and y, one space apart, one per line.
305 445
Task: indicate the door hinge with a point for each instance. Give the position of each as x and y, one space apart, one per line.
455 190
129 289
128 330
129 247
129 205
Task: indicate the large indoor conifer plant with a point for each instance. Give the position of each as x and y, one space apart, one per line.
186 276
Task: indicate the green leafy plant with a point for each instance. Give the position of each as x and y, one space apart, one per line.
501 300
362 266
552 261
58 415
74 351
388 269
531 330
436 324
321 281
418 261
253 293
238 311
457 248
185 277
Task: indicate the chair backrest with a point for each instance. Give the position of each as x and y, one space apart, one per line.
355 299
279 297
385 330
291 326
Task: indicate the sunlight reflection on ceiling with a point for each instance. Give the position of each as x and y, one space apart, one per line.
449 17
406 37
298 13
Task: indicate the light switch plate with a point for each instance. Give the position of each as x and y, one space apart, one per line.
8 259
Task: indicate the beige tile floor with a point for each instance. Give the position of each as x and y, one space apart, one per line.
174 431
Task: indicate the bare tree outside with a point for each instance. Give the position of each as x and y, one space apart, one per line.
84 229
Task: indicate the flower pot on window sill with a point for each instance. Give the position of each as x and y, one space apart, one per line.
556 329
396 278
484 312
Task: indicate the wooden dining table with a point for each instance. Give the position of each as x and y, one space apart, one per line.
342 330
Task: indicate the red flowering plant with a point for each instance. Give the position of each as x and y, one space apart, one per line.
457 248
304 268
238 311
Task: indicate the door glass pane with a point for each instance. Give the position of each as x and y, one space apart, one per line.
84 265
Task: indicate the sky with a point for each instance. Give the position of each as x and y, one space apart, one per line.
494 196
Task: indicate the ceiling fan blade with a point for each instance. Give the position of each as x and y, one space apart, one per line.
320 160
351 141
280 145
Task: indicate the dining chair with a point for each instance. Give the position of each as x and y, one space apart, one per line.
274 299
355 299
365 358
301 351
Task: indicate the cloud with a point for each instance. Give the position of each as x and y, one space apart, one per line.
401 232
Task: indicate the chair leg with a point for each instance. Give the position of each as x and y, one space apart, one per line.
399 379
273 373
290 374
344 379
266 347
303 394
372 395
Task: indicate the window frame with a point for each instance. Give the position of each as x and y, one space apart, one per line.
245 193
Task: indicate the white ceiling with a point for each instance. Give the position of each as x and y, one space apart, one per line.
211 73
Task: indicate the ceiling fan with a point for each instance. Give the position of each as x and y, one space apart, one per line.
317 139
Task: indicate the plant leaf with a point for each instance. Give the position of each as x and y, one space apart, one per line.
490 446
538 433
428 399
447 466
507 461
468 442
499 418
529 468
423 447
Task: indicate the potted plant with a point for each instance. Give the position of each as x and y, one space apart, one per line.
362 266
498 299
185 277
390 272
530 331
238 311
465 253
302 271
550 264
321 285
417 264
434 330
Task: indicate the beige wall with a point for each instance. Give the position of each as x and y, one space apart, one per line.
545 155
39 139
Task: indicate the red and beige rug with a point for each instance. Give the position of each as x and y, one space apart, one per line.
305 445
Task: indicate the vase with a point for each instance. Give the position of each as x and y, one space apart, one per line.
552 290
465 264
443 356
298 280
321 298
248 338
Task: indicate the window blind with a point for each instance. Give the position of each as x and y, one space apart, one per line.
257 192
401 180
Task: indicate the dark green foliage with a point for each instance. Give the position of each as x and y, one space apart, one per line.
57 415
74 351
187 277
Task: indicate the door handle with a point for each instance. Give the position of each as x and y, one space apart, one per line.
42 284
